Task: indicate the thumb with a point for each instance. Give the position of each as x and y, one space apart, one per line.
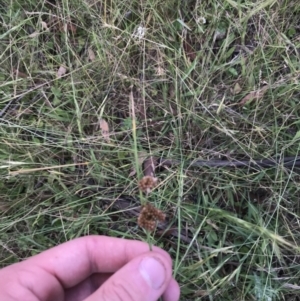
144 278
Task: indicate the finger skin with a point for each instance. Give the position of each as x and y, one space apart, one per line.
127 284
86 287
48 274
172 292
74 261
90 285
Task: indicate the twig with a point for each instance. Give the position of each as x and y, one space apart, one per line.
263 163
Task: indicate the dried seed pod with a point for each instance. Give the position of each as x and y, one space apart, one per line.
147 183
148 217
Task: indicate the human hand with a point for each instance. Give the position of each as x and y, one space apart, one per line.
92 268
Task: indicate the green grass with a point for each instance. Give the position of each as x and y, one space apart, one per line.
184 79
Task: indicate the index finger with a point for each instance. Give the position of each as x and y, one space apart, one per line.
74 261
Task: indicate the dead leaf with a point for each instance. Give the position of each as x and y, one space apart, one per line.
61 71
104 129
44 26
160 71
189 51
201 293
141 158
91 54
20 74
254 95
236 89
34 34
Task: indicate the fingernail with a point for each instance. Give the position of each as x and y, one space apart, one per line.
153 271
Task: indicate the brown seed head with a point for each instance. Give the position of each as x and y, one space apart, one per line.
148 217
147 183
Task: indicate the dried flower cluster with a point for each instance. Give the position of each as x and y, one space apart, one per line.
149 216
147 183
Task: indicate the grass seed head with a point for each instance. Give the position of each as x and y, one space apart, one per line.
149 216
147 183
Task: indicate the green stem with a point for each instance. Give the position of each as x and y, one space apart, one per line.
149 240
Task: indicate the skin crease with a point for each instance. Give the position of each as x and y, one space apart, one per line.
88 269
